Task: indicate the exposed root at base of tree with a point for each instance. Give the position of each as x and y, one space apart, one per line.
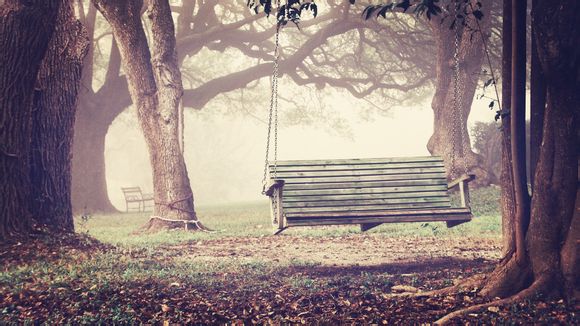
538 286
157 223
466 285
508 277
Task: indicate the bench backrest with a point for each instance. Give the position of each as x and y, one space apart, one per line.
132 193
365 185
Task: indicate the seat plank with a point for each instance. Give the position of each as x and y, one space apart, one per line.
369 208
369 178
380 219
458 212
359 161
365 184
290 198
365 202
381 191
356 167
368 172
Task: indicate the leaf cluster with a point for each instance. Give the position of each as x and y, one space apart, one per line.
427 8
290 11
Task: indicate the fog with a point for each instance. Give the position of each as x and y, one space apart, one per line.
225 152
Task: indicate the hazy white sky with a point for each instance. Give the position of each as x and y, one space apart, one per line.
225 155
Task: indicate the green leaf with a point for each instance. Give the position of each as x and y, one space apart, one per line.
384 10
405 4
368 12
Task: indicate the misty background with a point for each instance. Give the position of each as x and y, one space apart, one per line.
224 151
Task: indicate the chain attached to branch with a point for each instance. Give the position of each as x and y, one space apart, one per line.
453 170
273 113
458 124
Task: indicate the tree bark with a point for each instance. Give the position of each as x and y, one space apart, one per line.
518 126
53 117
25 31
97 110
554 219
506 177
156 89
450 137
537 103
552 234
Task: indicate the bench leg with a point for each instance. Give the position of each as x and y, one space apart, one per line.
278 231
367 226
451 224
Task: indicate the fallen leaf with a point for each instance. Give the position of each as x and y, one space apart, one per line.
493 309
165 308
404 288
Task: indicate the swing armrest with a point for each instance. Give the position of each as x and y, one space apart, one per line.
462 179
273 185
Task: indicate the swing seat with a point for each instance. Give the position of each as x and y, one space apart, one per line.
368 192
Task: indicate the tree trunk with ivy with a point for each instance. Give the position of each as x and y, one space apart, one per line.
25 31
450 137
156 89
53 117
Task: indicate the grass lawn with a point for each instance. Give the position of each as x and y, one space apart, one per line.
242 274
253 220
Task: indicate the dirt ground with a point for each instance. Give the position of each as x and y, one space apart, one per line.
349 250
350 279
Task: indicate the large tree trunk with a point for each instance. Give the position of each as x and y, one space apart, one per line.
506 178
95 114
552 234
88 166
25 31
156 89
97 110
537 103
89 184
518 127
53 117
450 137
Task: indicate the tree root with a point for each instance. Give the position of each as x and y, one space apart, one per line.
507 278
158 223
530 292
468 284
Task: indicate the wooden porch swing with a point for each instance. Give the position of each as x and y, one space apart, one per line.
368 192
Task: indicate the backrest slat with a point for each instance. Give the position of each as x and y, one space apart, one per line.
362 184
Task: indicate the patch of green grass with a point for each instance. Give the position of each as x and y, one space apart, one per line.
253 220
243 220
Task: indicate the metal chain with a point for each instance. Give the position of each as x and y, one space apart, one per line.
455 99
275 96
273 113
275 209
458 91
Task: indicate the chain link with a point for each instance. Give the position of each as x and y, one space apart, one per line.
273 114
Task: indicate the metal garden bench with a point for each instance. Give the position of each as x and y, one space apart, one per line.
134 195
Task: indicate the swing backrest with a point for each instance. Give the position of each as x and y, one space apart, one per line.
349 186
